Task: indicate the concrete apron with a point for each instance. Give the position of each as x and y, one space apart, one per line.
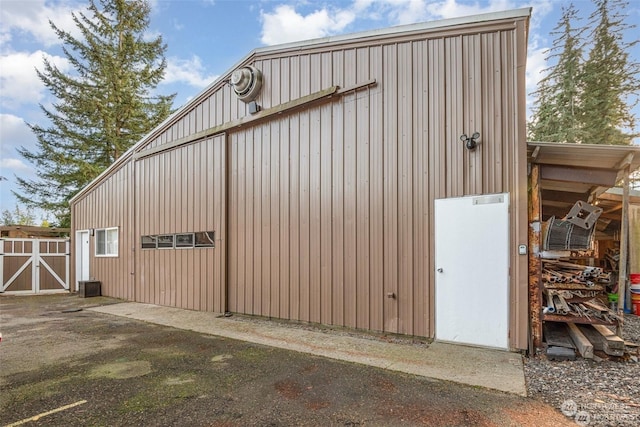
494 369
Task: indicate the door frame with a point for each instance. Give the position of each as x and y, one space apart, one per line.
82 254
491 230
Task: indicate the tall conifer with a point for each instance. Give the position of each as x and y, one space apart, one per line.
556 116
102 108
611 82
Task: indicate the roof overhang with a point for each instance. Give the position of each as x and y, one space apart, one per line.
572 172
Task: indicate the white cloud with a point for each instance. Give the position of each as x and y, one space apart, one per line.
453 9
13 165
14 132
19 83
189 71
32 17
284 24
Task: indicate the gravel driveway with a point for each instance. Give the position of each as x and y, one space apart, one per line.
603 393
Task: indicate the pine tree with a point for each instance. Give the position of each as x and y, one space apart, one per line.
102 109
556 116
610 78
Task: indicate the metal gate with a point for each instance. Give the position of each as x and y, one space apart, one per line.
34 265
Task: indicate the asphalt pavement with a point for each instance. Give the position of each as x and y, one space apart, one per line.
64 361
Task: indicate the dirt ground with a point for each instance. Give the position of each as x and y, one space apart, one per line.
101 370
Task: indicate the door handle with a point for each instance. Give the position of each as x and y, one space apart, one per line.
439 270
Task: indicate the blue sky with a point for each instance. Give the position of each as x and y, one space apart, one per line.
207 37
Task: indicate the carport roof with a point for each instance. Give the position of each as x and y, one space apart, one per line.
572 172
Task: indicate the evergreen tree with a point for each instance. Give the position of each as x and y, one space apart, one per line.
610 78
556 116
102 109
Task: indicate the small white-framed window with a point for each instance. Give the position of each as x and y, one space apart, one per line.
149 242
107 242
165 241
205 239
184 240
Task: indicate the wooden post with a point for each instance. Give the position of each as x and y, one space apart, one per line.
584 345
624 245
535 264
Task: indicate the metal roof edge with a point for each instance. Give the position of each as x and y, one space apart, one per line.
442 23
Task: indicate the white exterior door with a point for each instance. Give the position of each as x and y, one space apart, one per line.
82 255
472 270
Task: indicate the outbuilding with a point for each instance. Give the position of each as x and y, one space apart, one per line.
375 181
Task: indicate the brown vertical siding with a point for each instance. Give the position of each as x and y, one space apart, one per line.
190 278
330 207
362 174
109 205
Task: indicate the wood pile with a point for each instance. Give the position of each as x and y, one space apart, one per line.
590 341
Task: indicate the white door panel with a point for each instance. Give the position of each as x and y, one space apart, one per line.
82 255
472 270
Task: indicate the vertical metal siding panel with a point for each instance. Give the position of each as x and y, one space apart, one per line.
350 194
498 116
275 195
454 118
314 195
214 174
284 238
221 254
265 216
419 235
390 180
194 224
514 57
257 222
405 223
206 113
294 219
157 195
315 207
474 86
249 213
304 192
337 197
376 146
363 187
305 237
193 287
180 221
326 145
274 82
240 234
234 243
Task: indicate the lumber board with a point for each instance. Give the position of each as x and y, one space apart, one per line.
556 334
598 341
582 343
613 341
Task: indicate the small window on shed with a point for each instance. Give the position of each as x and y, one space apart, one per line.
205 239
149 242
107 242
184 240
165 241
